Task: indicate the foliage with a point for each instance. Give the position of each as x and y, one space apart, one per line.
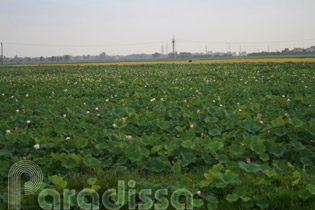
234 123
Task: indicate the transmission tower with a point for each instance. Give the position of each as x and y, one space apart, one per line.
2 58
173 45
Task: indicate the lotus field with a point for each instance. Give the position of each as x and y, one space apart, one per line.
236 135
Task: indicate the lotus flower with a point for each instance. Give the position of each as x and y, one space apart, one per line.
36 146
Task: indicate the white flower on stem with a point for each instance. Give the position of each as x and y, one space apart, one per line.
36 146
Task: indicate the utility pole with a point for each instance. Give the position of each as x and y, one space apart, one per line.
173 44
206 49
162 49
2 53
166 46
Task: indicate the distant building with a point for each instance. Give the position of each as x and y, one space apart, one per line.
285 50
209 53
310 49
297 50
242 53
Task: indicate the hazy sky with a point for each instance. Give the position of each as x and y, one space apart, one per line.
77 27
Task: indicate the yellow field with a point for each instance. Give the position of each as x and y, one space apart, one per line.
241 60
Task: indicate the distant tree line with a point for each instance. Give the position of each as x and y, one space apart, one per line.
280 53
182 55
190 55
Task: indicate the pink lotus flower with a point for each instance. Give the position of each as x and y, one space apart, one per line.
248 160
287 114
28 122
36 146
199 192
268 131
129 137
185 101
192 126
8 131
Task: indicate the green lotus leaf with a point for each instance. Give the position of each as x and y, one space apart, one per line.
296 122
236 150
231 198
133 152
92 181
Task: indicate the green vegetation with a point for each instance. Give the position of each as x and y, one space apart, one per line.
238 136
